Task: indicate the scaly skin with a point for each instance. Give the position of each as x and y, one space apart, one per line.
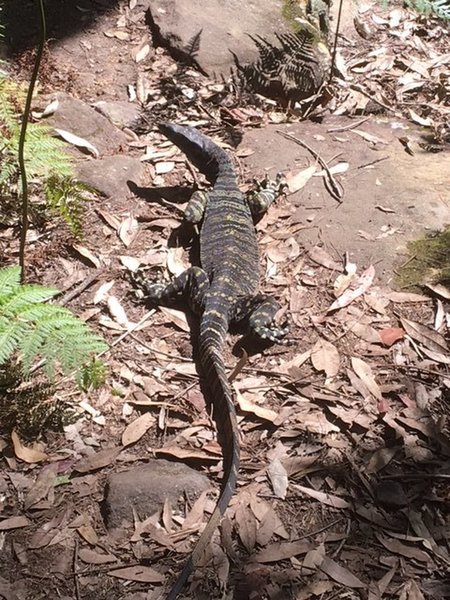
223 290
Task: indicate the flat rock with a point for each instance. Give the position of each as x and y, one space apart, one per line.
110 175
119 112
79 118
219 26
389 197
144 490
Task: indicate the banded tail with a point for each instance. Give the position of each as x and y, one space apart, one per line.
212 336
202 152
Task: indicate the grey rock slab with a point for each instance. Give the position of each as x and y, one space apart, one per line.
144 489
110 175
221 26
389 198
79 118
119 112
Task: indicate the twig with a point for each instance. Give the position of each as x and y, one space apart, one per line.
347 127
75 571
373 162
333 56
89 280
371 96
128 331
23 132
334 188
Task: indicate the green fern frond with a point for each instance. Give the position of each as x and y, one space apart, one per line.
437 8
39 330
66 196
9 280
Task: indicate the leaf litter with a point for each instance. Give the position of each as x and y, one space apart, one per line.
335 428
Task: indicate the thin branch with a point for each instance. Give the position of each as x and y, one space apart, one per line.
23 131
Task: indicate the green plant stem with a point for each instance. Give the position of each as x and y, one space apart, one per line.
23 132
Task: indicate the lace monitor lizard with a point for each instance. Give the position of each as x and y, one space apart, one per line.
223 290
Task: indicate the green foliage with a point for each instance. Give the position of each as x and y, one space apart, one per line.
39 330
45 159
66 197
435 8
92 375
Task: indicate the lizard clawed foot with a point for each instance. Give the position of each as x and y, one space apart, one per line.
151 290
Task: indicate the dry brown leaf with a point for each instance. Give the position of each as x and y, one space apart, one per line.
95 558
195 516
87 254
75 140
138 573
28 455
316 589
431 339
246 526
266 528
281 551
278 478
128 230
177 317
299 180
137 428
400 297
340 574
185 453
14 523
325 357
256 409
44 483
440 290
364 332
365 373
362 284
390 335
397 547
321 257
411 591
98 460
88 534
323 497
379 459
175 264
117 311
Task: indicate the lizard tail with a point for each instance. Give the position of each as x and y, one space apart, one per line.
211 340
208 157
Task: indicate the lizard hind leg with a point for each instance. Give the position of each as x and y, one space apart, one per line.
196 207
258 313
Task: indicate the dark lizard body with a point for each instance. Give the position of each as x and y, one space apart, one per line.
224 290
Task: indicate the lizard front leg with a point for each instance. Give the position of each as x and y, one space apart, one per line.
267 191
191 284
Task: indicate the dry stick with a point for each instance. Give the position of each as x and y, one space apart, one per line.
358 88
338 24
23 132
347 127
334 188
80 288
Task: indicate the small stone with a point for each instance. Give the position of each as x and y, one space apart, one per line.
120 113
110 175
144 490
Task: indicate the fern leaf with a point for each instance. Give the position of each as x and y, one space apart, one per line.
9 280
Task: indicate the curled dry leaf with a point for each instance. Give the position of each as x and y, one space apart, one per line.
390 335
175 264
258 410
278 478
28 455
430 338
281 551
135 430
299 180
246 525
86 253
128 230
75 140
362 284
117 311
321 257
102 293
400 297
325 357
130 262
44 483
